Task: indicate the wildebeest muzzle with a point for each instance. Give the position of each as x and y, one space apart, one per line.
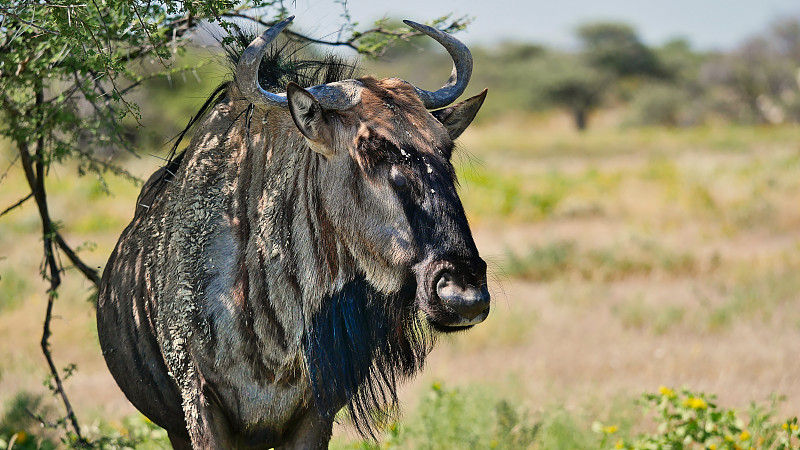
453 292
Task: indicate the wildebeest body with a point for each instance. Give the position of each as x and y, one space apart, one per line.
215 250
281 267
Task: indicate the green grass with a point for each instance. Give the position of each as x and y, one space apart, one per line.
565 259
512 196
730 179
14 287
635 313
757 294
476 417
506 135
509 195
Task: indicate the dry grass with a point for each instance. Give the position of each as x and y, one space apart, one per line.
680 251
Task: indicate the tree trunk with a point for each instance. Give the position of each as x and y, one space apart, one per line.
580 116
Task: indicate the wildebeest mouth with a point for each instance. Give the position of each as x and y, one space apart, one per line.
453 296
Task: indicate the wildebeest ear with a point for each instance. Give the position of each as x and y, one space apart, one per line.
308 116
457 118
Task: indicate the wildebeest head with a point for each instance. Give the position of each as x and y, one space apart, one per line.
389 185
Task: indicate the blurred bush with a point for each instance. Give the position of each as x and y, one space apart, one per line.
19 427
27 424
662 104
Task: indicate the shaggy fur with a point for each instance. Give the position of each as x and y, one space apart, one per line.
262 286
358 346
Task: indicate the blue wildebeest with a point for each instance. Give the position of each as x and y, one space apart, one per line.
300 256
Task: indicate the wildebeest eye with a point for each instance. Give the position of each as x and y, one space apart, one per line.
398 179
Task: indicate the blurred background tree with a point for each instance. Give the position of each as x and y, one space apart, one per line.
575 83
758 82
616 47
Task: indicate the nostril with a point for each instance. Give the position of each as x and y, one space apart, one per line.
467 301
446 289
444 282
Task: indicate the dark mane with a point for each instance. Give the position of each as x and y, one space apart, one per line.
289 61
358 347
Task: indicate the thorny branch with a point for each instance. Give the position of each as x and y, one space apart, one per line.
108 112
51 269
15 205
87 271
351 41
11 12
144 28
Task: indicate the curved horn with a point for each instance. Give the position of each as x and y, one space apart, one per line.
339 95
247 68
459 77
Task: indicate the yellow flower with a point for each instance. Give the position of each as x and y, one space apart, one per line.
712 447
728 438
695 403
22 436
619 444
793 427
744 436
610 429
785 426
665 391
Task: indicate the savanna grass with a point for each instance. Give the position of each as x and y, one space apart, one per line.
565 259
